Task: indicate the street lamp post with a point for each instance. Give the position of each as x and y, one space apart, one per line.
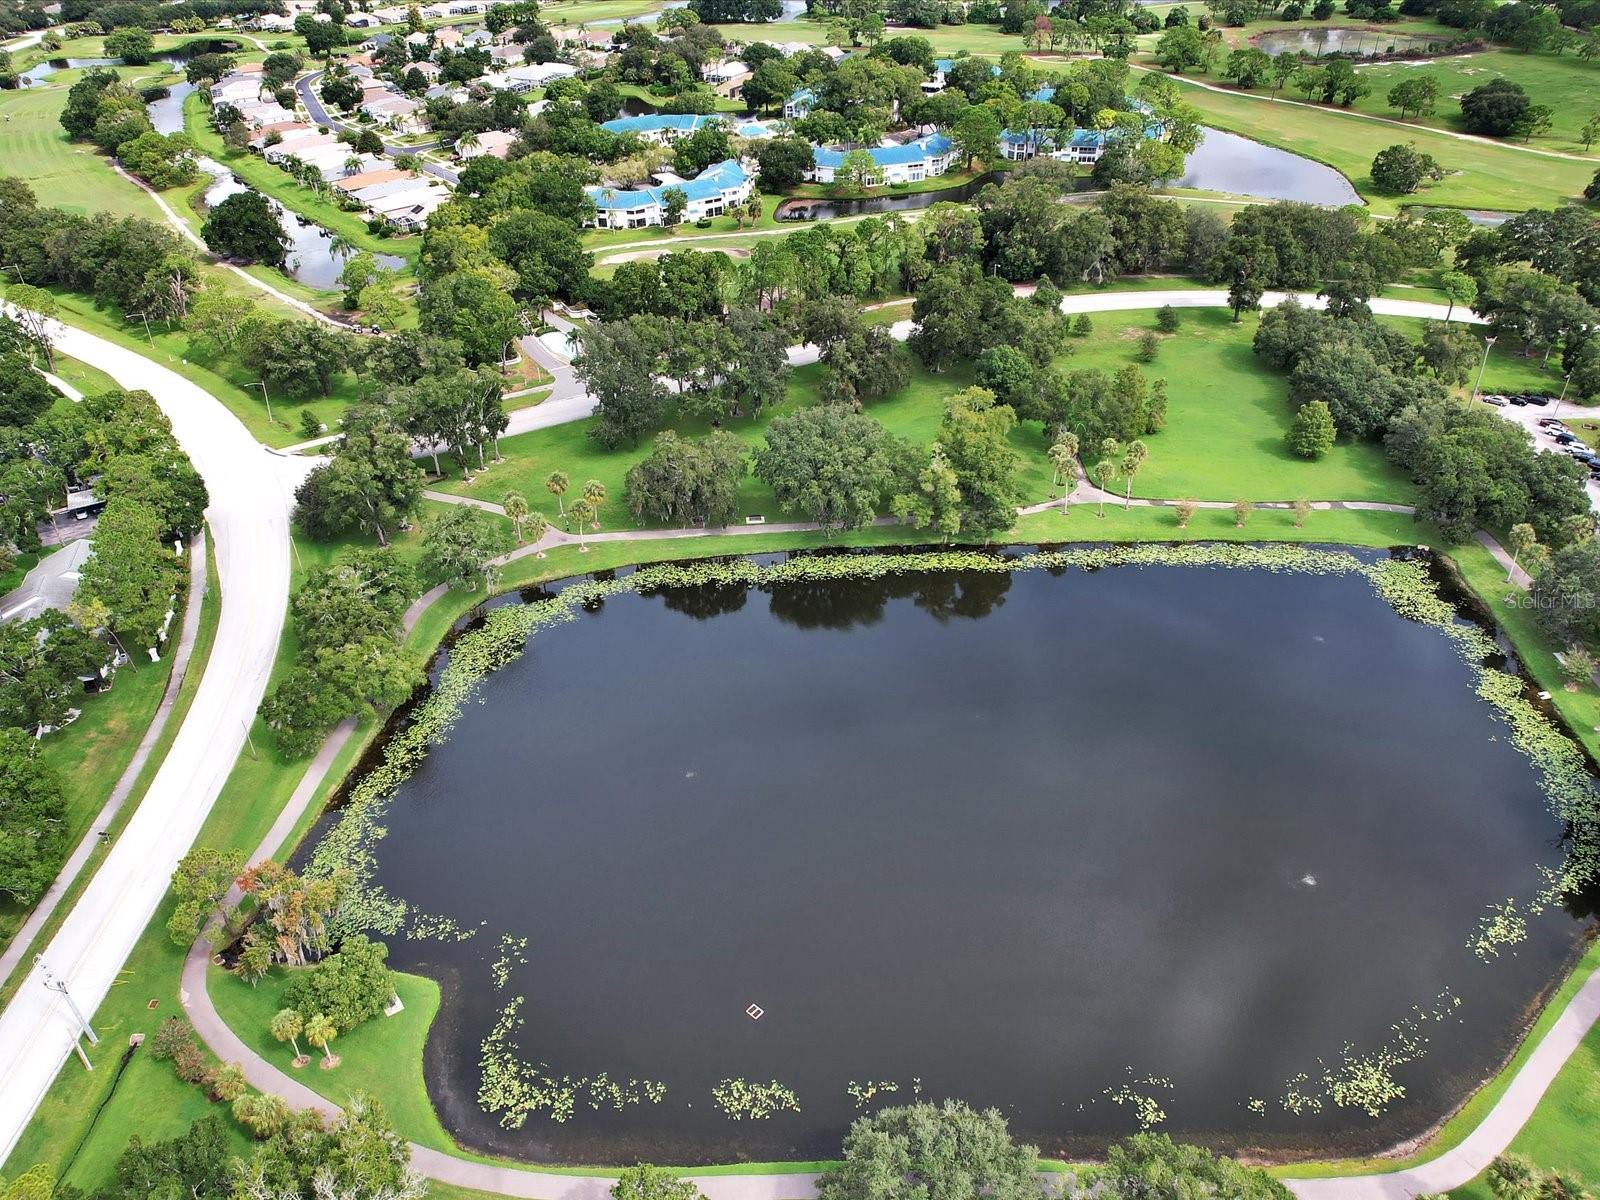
262 384
84 1028
148 336
1488 341
1565 384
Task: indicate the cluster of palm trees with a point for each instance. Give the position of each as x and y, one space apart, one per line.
585 510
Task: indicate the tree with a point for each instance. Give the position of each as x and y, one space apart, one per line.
245 227
196 1165
556 483
783 163
134 46
935 500
1063 457
645 1182
131 571
1153 1167
1498 108
1241 512
516 507
674 200
1311 433
459 546
350 986
977 134
264 1116
1167 319
1149 346
922 1149
1401 169
974 436
617 364
1133 457
1564 591
32 818
371 482
33 310
580 512
1578 665
1459 288
1414 95
475 308
686 481
201 884
215 318
1521 538
1184 510
320 1031
833 465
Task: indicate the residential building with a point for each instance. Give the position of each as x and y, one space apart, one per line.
941 67
710 194
48 586
912 162
799 104
658 127
496 143
351 184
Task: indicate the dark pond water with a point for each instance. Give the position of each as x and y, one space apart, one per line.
40 72
824 210
1226 162
1359 43
1023 839
311 258
166 114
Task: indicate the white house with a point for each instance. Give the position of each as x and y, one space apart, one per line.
496 143
710 194
912 162
799 104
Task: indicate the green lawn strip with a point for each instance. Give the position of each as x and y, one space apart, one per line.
597 240
89 380
1557 80
636 91
205 638
277 183
223 378
1483 176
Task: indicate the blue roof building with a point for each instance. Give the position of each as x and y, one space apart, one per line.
659 127
710 194
908 163
799 104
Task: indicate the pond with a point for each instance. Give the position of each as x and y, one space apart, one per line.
312 260
166 113
1226 162
40 72
805 209
1059 841
1358 43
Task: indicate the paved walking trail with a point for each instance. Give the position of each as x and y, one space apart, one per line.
119 794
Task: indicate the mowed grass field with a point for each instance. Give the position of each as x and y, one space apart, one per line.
68 175
1482 176
1568 84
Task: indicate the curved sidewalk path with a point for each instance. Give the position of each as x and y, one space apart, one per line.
1450 1169
249 522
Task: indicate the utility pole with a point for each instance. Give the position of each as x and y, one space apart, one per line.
1565 385
149 337
17 269
84 1028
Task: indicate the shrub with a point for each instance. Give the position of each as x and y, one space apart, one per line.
171 1036
1167 319
190 1063
1311 434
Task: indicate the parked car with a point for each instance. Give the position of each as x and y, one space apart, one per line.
1564 439
1537 400
1497 401
1553 424
1519 401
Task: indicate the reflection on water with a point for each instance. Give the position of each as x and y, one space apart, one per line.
1226 162
312 260
1359 43
1023 840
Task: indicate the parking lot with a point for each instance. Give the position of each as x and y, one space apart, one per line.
1578 421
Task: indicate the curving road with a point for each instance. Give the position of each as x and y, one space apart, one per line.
251 494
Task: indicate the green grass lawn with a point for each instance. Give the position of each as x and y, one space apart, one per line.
1483 176
1227 418
69 175
89 380
1568 84
367 1053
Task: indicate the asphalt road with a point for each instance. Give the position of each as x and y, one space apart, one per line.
251 495
306 87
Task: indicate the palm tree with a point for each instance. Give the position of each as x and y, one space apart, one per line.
340 246
516 507
468 141
1063 457
320 1030
352 164
287 1026
582 510
1132 459
536 527
557 483
1103 472
595 493
1521 539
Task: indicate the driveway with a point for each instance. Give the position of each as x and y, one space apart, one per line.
251 495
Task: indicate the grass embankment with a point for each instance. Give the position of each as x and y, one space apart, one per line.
1482 175
1567 83
70 175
